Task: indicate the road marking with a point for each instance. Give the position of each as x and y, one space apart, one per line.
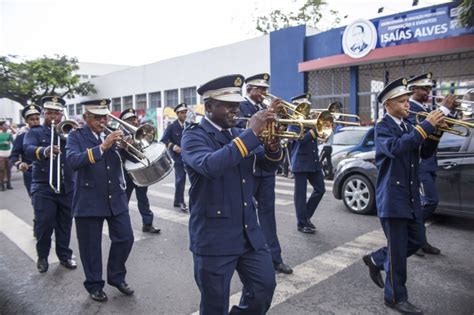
20 233
137 235
321 267
170 196
166 214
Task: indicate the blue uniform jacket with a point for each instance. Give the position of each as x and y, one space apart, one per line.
18 155
223 216
247 109
396 156
172 136
304 152
430 164
35 142
97 177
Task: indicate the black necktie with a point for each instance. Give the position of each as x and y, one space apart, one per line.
227 134
404 127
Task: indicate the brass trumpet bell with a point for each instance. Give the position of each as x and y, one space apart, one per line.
420 116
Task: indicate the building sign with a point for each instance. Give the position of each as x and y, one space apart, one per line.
359 38
421 25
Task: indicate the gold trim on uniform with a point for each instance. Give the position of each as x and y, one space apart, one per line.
241 146
37 153
91 156
313 134
275 160
421 131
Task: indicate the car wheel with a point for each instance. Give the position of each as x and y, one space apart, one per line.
358 194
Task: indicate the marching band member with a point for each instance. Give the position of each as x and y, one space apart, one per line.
6 141
264 193
99 194
397 191
306 167
421 87
223 227
129 115
31 115
172 138
52 210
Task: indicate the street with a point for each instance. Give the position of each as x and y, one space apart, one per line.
329 275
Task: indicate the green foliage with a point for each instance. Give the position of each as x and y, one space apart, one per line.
467 16
27 81
311 13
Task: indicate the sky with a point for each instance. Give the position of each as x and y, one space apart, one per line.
137 32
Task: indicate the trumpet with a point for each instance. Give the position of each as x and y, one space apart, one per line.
143 136
288 110
324 125
463 103
335 109
450 121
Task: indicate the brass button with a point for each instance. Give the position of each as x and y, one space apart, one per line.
87 184
108 167
412 165
110 181
412 200
218 212
110 196
411 182
398 183
243 180
245 204
246 226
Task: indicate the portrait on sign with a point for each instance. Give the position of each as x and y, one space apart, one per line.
359 38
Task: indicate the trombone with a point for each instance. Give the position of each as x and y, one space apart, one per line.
450 121
335 109
61 131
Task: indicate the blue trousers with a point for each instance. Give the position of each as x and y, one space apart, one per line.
27 177
214 273
429 193
265 197
52 213
404 237
89 236
142 200
179 181
305 209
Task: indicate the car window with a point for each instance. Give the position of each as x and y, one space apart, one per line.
349 137
450 142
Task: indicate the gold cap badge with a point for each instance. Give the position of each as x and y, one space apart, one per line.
238 82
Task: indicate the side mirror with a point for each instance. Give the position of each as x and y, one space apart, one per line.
370 143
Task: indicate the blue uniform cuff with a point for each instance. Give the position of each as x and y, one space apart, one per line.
246 142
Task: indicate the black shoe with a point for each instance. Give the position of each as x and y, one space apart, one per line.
374 271
99 296
283 268
125 288
42 265
404 307
9 186
69 263
427 248
420 253
148 228
183 207
306 230
3 188
311 225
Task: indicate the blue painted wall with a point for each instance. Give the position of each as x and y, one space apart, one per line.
286 52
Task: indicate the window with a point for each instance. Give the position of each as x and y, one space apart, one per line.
171 98
140 101
116 104
71 110
450 142
349 137
188 95
155 100
78 109
127 102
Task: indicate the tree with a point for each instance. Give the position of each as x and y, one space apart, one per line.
310 13
27 81
466 16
